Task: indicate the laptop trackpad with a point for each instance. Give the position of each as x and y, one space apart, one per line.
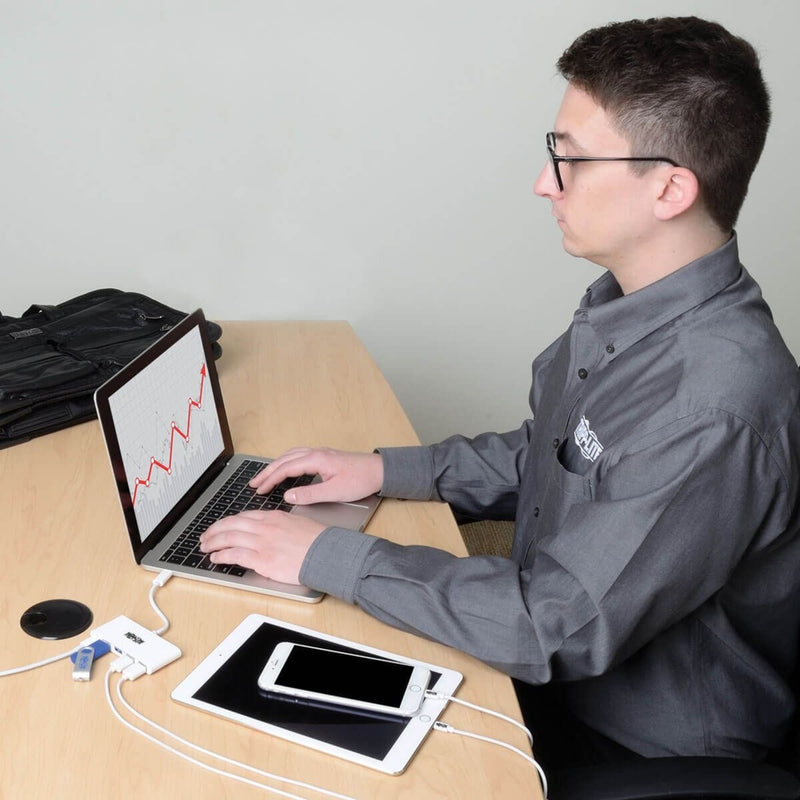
340 515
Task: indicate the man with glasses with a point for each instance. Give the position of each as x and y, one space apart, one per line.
649 606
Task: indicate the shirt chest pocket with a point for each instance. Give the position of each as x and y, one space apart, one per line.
562 491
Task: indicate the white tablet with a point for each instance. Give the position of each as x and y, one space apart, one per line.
225 683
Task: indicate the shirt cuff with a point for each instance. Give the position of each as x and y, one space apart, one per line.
334 562
407 473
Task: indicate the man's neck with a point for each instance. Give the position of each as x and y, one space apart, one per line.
667 255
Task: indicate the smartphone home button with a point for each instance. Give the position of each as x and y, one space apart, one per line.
414 688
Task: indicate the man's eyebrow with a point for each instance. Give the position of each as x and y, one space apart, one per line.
562 137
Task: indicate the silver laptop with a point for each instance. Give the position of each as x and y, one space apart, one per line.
175 468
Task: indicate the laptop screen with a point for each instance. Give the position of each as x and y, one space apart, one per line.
167 428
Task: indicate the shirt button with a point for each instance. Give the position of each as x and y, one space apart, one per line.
609 348
582 373
536 511
556 443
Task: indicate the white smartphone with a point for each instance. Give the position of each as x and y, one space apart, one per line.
335 677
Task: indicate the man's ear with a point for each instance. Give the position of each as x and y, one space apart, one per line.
678 192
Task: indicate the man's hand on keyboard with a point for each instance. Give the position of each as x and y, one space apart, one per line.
273 543
346 477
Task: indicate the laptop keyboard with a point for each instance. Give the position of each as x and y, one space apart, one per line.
233 496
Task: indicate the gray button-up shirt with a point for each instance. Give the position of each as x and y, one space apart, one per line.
656 559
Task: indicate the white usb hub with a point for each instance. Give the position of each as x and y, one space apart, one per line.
145 647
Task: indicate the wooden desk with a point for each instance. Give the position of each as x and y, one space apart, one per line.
62 536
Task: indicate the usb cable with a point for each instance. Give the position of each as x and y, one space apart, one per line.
445 728
51 660
124 665
162 578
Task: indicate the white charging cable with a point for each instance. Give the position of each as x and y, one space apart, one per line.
162 578
52 660
445 728
123 668
483 710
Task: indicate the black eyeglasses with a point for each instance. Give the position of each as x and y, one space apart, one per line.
556 160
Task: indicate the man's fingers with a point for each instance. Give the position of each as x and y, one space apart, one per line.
289 465
324 492
273 543
346 477
236 530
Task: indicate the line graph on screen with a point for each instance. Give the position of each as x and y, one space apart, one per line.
174 431
167 428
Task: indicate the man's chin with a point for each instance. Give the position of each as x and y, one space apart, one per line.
571 247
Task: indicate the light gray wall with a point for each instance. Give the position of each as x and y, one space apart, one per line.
337 159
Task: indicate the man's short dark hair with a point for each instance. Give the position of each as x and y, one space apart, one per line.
684 88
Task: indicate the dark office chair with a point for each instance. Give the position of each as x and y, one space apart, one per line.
688 777
683 777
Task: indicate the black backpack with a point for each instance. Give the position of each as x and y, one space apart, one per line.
52 358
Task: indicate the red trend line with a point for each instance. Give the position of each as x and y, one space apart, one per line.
175 431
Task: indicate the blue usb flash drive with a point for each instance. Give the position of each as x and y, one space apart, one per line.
83 658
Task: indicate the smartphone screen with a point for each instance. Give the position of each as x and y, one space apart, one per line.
336 676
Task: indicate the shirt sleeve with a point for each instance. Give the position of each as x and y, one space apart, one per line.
643 550
479 476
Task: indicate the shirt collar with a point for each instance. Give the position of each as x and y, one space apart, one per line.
622 320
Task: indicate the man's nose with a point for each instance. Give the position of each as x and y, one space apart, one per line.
545 185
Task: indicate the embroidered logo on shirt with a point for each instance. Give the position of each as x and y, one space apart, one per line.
587 440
